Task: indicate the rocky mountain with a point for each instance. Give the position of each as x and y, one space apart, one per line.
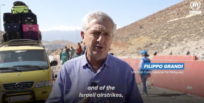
56 38
53 35
52 47
174 30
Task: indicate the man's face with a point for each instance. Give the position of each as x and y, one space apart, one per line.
98 38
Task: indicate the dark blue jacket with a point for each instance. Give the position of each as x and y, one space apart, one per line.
145 72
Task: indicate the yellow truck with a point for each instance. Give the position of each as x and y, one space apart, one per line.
25 72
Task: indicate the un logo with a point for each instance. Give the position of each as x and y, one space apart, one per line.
195 5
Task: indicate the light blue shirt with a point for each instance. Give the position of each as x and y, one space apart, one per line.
76 75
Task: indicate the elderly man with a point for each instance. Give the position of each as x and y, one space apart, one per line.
104 77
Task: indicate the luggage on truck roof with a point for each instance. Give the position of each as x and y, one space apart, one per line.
19 3
22 42
19 9
20 24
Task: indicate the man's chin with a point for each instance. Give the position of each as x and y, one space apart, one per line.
99 55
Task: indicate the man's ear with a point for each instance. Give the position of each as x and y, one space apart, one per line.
82 34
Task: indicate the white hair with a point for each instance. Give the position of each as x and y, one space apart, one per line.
99 16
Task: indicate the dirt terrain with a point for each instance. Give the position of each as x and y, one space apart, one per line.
160 95
173 29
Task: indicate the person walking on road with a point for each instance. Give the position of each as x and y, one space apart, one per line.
68 52
64 56
83 47
61 53
79 49
72 52
74 55
144 74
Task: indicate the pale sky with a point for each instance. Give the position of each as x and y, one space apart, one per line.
68 14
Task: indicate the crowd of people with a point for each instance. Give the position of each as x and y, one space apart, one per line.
70 53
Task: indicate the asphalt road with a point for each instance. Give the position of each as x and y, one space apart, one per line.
160 95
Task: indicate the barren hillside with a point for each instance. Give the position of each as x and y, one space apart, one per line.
173 29
170 31
54 47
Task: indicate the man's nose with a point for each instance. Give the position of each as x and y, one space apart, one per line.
100 39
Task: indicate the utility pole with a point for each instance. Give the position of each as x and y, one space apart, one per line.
63 40
76 36
77 33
